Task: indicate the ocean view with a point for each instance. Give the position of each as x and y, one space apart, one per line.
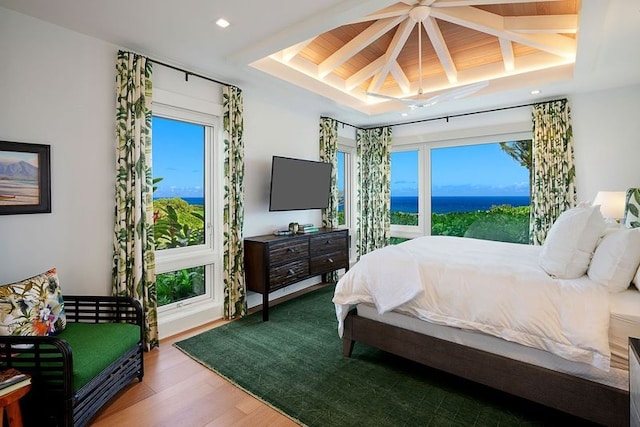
439 205
450 204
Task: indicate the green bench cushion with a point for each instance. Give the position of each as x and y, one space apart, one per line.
97 345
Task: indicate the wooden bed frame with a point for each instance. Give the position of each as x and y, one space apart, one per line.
577 396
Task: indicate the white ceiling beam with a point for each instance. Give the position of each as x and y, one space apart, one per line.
493 24
508 57
440 46
393 50
401 78
456 3
397 9
289 53
552 24
355 45
377 81
363 74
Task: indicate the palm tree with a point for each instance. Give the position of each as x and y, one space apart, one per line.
521 152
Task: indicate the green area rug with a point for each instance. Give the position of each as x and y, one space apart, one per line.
294 363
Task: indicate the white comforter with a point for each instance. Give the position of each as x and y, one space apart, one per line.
493 287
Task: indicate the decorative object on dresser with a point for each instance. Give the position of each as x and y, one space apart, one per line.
272 262
634 382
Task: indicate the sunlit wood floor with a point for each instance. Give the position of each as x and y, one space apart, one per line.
178 391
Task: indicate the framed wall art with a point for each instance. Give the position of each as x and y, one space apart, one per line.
25 178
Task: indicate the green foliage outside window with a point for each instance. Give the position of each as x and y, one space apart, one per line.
180 285
178 224
502 223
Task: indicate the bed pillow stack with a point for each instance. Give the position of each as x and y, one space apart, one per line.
571 242
616 262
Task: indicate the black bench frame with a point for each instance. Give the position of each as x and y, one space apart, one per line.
49 361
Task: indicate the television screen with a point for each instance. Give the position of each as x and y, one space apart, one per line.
299 184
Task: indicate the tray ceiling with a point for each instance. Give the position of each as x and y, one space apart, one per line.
485 45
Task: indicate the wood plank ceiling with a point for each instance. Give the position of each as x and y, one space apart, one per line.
462 42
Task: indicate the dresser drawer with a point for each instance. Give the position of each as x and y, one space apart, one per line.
288 251
331 242
288 273
328 262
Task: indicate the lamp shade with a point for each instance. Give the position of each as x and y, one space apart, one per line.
611 203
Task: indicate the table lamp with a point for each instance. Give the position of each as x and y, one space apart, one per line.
611 205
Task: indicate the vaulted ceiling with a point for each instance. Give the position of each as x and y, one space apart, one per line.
415 54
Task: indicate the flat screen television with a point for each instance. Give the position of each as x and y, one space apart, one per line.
299 184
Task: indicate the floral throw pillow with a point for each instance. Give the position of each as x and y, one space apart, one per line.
632 208
33 306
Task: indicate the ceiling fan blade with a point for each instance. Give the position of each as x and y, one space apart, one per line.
461 92
379 95
420 100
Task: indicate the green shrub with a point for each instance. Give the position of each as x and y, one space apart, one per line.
177 223
179 285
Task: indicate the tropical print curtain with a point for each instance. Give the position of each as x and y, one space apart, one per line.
235 293
373 152
329 154
553 169
133 272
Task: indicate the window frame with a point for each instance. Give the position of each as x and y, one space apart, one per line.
172 107
348 147
411 231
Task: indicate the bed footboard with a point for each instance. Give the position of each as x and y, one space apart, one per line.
586 399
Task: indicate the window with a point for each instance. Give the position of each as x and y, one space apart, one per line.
481 191
469 188
404 187
344 182
183 206
340 178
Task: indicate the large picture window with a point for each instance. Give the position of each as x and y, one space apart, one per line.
478 190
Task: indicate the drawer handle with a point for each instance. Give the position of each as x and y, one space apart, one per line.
291 250
330 261
291 272
328 242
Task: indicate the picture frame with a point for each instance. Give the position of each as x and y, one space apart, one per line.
25 178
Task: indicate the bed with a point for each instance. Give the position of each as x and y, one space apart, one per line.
547 323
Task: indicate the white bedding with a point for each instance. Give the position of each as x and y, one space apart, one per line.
493 287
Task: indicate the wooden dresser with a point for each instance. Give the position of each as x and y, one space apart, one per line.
272 262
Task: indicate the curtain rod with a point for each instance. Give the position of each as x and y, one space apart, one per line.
451 116
189 73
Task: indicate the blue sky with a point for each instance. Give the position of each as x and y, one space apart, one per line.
178 158
472 170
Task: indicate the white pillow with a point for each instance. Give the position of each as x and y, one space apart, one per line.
616 260
570 243
636 278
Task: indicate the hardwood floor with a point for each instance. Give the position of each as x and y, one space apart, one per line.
178 391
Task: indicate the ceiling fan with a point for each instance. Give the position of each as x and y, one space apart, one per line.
418 14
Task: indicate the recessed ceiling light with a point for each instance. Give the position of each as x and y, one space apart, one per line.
404 114
222 23
535 92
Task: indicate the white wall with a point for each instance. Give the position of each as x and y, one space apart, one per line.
606 133
57 88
